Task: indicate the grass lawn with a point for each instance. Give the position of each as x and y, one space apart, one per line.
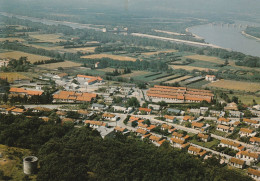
210 144
11 163
219 133
246 98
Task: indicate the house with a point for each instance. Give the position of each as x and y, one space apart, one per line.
41 109
197 151
110 117
188 118
174 111
246 132
61 114
142 126
88 80
95 124
141 132
203 110
170 118
231 144
214 113
68 120
154 107
226 129
237 163
200 126
248 156
210 78
203 137
151 127
121 130
165 127
255 174
178 143
255 113
224 121
180 136
145 110
255 141
236 114
253 123
17 111
196 112
154 138
231 107
97 65
99 107
61 76
83 112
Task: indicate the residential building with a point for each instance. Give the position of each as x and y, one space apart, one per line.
155 107
255 141
154 138
237 163
88 80
224 121
99 107
110 117
204 137
197 151
178 143
226 129
180 136
174 111
165 127
145 110
248 156
200 126
253 123
231 107
255 174
141 132
95 124
246 132
231 144
236 114
188 118
170 118
121 130
210 78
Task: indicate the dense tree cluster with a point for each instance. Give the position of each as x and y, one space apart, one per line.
21 65
48 61
254 31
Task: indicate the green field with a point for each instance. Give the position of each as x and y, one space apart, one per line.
211 144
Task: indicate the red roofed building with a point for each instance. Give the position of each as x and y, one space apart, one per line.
88 80
146 110
71 96
22 91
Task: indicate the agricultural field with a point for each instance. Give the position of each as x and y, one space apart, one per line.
178 79
235 85
134 73
83 49
11 76
114 57
246 98
191 68
166 78
11 39
17 54
65 64
11 163
51 38
206 58
157 52
45 46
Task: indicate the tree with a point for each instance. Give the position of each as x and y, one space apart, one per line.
132 102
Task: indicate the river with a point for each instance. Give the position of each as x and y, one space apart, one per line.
228 36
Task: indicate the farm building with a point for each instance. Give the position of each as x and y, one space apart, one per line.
178 94
71 96
88 80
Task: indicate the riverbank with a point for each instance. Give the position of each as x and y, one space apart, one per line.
194 35
250 36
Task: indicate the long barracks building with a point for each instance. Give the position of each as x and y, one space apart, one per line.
179 94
